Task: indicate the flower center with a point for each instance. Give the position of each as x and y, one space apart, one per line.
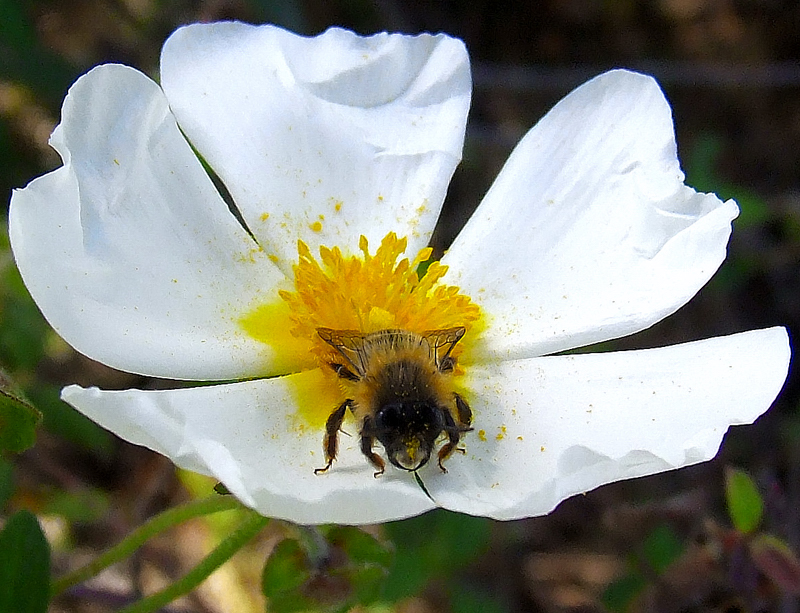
363 293
369 293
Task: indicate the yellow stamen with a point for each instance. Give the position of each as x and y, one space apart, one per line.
365 293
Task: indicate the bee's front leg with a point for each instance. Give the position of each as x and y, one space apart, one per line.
448 448
331 441
453 436
367 440
455 430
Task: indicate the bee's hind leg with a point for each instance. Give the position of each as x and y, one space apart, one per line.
331 441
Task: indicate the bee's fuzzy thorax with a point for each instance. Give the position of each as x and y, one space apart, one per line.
405 373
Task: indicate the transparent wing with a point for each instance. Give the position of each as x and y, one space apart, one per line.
351 345
441 343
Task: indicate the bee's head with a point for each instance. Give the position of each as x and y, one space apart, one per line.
408 431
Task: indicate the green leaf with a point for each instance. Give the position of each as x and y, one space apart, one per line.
470 600
24 566
360 547
364 583
6 481
64 421
777 561
221 489
24 60
331 568
288 15
287 568
618 596
432 545
745 505
23 330
18 419
661 548
81 506
369 562
702 175
15 29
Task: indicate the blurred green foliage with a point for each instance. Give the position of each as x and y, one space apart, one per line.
6 481
26 60
725 562
745 505
18 419
619 595
433 547
776 559
82 506
348 565
24 565
332 568
470 600
23 338
702 174
660 549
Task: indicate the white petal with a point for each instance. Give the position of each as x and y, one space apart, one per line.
360 135
245 435
128 250
562 425
589 234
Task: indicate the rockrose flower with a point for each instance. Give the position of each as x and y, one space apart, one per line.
291 273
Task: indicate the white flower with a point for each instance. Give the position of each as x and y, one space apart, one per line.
588 234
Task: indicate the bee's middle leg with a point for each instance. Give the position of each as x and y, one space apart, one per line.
331 441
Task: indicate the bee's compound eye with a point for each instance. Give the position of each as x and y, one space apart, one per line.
391 417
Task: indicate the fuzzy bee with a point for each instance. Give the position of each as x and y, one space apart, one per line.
400 391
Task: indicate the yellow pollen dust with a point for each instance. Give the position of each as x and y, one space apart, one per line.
412 447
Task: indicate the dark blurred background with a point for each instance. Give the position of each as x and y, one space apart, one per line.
731 72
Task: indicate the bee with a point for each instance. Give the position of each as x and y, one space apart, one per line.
401 392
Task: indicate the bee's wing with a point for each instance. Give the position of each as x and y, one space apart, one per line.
350 344
441 342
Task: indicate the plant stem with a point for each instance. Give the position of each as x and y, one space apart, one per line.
137 538
247 529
